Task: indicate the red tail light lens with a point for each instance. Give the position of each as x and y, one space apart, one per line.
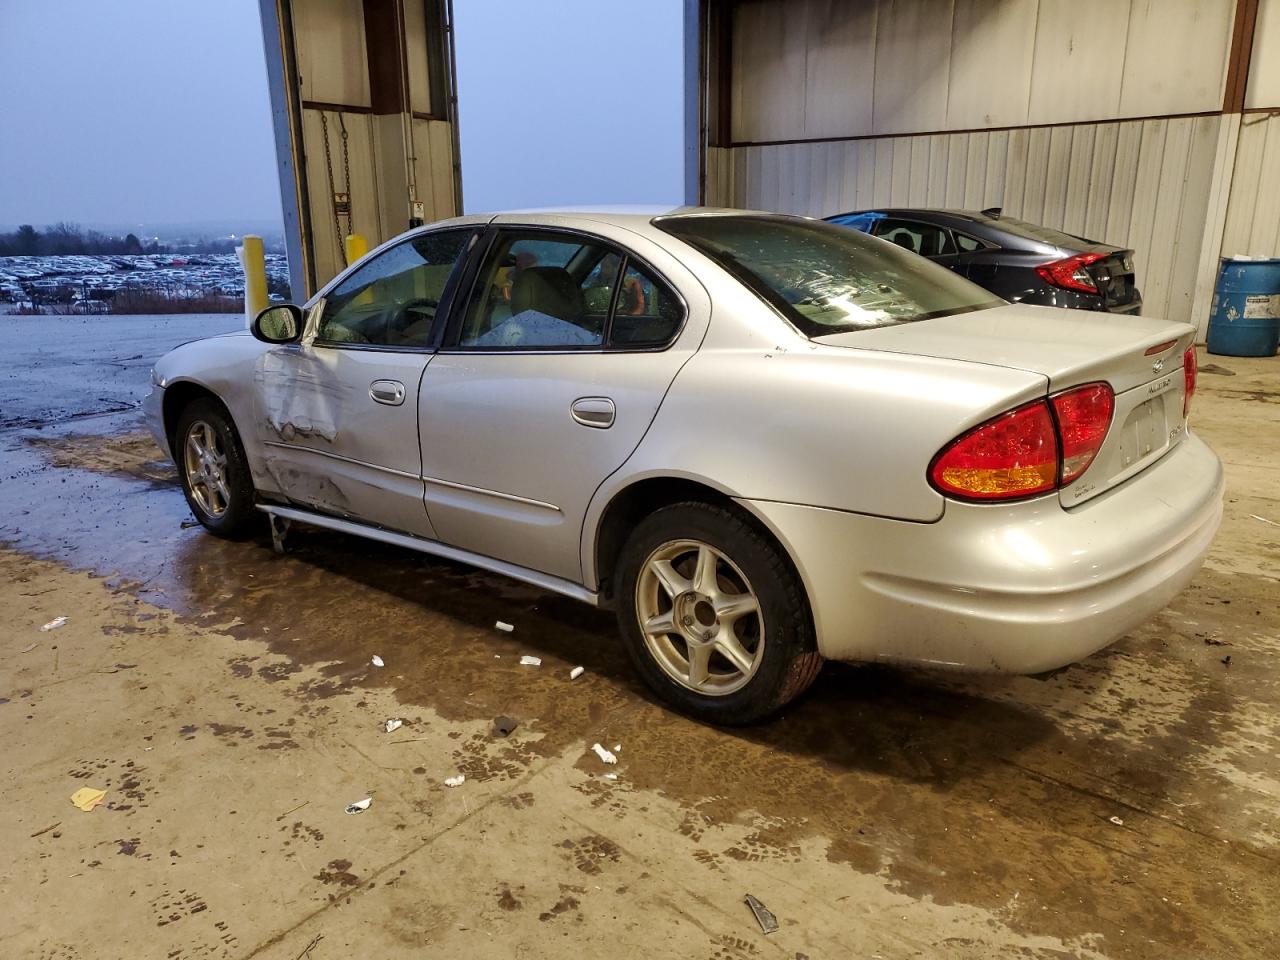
1190 368
1037 447
1084 416
1070 273
1013 455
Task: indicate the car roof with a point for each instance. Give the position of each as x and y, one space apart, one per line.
621 215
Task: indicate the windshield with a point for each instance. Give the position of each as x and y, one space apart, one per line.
827 279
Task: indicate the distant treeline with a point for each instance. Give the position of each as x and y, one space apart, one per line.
68 238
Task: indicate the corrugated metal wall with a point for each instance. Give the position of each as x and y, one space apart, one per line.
1081 116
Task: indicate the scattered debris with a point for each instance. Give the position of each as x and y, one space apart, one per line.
527 661
1117 821
617 748
86 798
392 725
47 829
188 524
377 661
576 672
603 754
1226 661
360 806
611 776
29 647
505 627
306 951
768 922
287 812
54 624
1256 517
1215 642
457 781
502 726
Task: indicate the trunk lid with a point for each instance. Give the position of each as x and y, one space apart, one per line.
1140 357
1113 275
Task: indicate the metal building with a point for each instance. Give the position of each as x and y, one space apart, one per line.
1154 124
362 98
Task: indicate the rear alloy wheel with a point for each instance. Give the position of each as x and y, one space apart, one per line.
714 616
215 475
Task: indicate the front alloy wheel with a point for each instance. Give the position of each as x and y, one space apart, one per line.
206 466
215 474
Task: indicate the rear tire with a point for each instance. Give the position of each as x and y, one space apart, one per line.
213 468
714 617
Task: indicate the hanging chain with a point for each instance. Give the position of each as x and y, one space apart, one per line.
346 169
333 197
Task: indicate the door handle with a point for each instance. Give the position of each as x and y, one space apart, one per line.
595 412
390 392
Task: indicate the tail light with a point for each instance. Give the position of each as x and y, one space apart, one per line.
1190 367
1037 447
1070 273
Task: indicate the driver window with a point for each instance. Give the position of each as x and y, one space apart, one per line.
392 300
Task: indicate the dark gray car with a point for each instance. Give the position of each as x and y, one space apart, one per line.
1020 261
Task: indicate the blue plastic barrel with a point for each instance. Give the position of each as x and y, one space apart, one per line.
1245 321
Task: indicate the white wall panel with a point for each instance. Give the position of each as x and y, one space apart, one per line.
1253 210
365 216
1143 184
1264 67
912 64
804 69
433 166
990 63
330 45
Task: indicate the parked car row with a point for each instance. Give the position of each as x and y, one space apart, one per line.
89 277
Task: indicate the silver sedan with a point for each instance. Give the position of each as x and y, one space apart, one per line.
764 440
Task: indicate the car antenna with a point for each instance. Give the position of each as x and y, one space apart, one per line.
992 212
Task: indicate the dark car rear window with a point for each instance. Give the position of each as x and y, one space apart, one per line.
1034 231
826 279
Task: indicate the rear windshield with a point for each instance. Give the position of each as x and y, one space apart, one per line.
1034 231
827 279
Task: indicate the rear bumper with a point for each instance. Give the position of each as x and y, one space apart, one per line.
1020 588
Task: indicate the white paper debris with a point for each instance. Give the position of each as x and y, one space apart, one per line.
576 672
617 748
1117 821
1264 520
604 754
392 725
377 661
527 661
457 781
611 776
360 806
504 627
54 624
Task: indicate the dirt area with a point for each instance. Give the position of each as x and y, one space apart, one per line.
225 699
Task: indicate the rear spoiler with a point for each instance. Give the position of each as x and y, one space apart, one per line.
993 212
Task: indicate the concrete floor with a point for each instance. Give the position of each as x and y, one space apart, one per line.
224 697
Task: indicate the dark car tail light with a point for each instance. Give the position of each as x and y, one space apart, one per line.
1084 416
1031 449
1069 273
1190 368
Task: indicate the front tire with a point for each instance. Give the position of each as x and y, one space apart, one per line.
214 472
714 617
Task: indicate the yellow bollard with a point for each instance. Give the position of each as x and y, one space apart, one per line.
254 265
357 246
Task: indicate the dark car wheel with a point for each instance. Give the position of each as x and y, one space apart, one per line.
214 471
713 615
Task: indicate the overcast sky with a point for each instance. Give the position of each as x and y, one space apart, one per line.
156 110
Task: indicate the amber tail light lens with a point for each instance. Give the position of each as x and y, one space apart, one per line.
1032 449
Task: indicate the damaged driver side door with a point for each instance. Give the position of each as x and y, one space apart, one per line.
338 409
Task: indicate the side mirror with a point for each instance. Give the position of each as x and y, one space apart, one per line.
280 323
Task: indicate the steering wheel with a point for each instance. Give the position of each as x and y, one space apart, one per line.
414 311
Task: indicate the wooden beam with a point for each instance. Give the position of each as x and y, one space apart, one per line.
1240 55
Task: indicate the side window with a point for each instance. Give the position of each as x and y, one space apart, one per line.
858 221
392 300
922 238
541 290
647 315
968 244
